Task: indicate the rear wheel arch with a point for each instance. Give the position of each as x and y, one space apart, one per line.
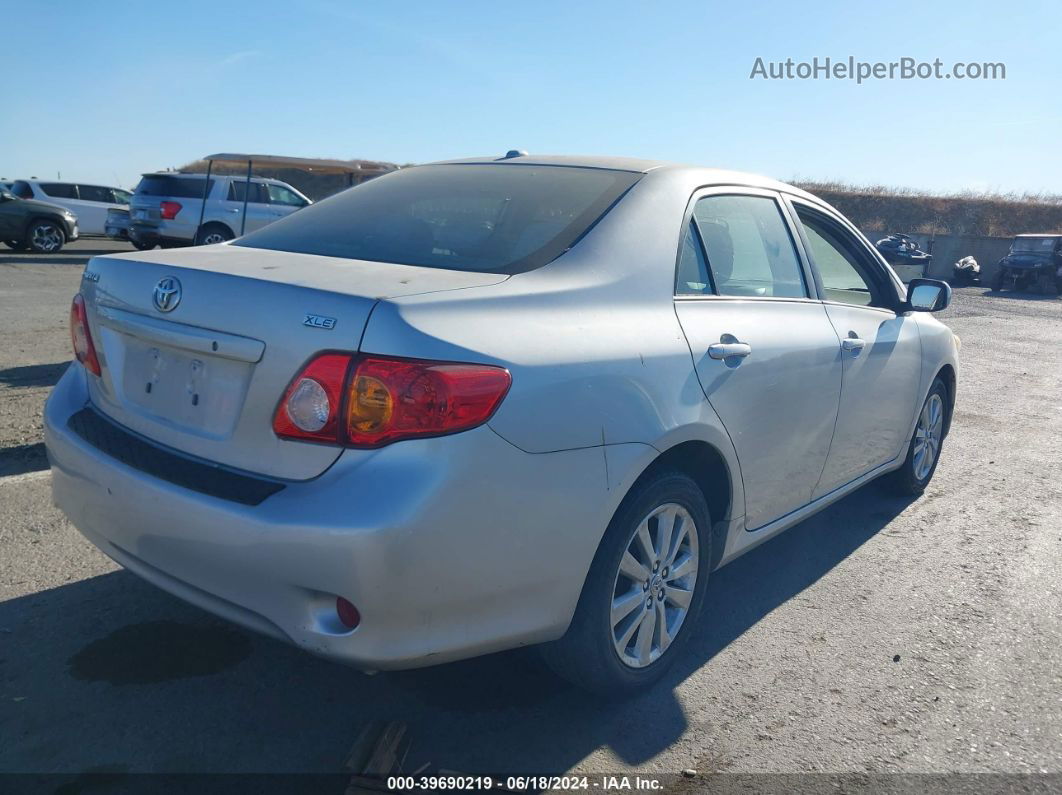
705 465
213 226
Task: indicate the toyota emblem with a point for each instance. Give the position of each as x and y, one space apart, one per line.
167 294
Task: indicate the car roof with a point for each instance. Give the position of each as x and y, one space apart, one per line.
702 174
190 175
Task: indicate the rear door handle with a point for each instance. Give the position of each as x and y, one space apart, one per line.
724 350
853 344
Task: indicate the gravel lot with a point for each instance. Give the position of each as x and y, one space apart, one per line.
880 636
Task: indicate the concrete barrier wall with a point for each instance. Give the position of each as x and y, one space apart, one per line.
949 249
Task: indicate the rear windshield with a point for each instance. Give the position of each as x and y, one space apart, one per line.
494 218
183 187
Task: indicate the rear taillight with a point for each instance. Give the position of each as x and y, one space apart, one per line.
84 350
370 401
169 210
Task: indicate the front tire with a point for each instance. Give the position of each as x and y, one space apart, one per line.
923 453
45 237
644 592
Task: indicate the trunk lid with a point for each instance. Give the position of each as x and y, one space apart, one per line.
204 376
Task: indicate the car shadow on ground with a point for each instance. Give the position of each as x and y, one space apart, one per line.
33 375
109 671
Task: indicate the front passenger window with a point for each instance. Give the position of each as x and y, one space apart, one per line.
844 278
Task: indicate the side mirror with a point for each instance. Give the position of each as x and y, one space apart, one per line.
6 196
928 295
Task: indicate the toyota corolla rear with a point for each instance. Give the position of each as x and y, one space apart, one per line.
227 435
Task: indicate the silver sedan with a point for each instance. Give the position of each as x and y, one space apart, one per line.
483 404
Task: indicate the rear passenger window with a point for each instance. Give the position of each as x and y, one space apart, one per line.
748 246
258 192
94 193
692 268
59 190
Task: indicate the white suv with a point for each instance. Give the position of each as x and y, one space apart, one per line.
89 203
167 208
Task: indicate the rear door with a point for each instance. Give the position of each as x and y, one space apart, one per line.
258 210
766 354
93 202
881 349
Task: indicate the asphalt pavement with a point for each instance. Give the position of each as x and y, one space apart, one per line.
881 636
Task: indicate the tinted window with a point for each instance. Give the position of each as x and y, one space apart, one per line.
841 263
258 192
750 251
495 218
94 193
59 190
22 190
164 185
278 194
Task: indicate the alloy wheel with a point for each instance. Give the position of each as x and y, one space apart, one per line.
46 238
928 436
654 586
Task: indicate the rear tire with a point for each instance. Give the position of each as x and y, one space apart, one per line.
211 234
142 246
45 237
912 478
640 586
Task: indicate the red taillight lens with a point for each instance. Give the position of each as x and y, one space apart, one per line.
169 210
84 350
392 399
371 401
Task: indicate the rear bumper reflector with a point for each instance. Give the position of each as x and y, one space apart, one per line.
138 453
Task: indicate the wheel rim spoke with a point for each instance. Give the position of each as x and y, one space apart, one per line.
633 568
663 637
681 568
646 542
625 605
679 597
644 643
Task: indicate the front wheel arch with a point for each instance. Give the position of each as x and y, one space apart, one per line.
947 374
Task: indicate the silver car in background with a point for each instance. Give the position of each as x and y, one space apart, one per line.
477 405
167 208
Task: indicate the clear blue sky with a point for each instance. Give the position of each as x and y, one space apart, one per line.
103 92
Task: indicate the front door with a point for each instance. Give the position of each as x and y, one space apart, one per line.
767 357
881 351
259 213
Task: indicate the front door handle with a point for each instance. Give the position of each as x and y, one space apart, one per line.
724 350
853 344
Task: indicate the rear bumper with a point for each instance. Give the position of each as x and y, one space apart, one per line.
152 234
449 547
